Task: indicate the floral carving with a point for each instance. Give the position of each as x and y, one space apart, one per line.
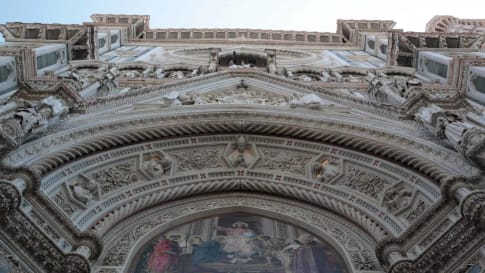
116 176
366 183
284 161
198 159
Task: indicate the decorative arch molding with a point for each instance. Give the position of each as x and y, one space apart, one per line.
123 241
358 186
339 129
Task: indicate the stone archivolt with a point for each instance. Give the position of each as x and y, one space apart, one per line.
352 144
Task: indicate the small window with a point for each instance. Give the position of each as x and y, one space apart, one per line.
114 39
371 44
479 83
276 36
4 73
47 60
101 43
437 68
383 49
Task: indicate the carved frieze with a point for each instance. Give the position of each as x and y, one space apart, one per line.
398 197
361 180
197 159
115 176
285 161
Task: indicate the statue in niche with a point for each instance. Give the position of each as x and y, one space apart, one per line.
156 164
241 154
326 169
84 190
30 121
397 197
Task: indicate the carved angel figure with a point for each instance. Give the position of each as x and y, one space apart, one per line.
84 191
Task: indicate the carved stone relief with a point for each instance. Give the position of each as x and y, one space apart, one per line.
29 121
115 176
197 159
156 164
326 168
280 160
418 208
83 190
397 197
359 179
241 154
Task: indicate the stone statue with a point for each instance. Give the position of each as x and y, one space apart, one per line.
30 121
390 91
84 191
213 60
466 135
271 61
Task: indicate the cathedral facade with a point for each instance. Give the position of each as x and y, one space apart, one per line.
125 148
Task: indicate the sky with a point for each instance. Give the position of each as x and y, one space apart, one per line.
309 15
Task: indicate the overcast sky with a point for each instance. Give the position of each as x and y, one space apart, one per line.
309 15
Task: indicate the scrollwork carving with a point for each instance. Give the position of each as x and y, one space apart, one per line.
198 159
284 161
116 176
366 183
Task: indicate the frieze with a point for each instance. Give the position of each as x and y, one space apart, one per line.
197 159
435 171
166 180
279 160
359 179
115 176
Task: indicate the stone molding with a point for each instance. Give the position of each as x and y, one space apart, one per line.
123 241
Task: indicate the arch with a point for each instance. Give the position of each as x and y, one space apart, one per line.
125 241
